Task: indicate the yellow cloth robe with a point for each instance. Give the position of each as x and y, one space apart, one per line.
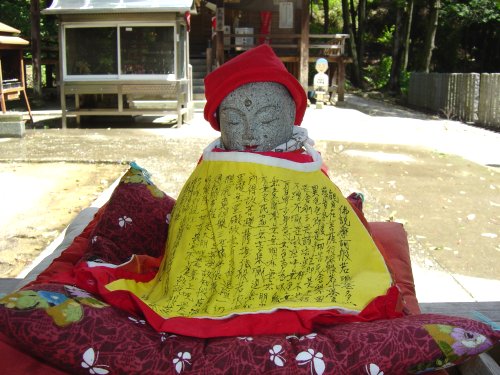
252 233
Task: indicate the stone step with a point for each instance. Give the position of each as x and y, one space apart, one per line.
199 74
198 62
199 97
198 81
199 90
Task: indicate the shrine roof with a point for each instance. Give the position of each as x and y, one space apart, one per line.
8 29
8 36
13 40
117 6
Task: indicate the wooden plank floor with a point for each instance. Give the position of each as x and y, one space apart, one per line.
8 285
490 310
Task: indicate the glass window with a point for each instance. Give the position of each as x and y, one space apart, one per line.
91 51
147 50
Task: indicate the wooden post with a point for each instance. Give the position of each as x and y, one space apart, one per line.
62 93
209 59
304 46
341 77
219 48
23 83
2 99
219 36
35 48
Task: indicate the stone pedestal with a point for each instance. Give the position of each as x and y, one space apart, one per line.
12 125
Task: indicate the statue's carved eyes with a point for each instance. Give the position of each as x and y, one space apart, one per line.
267 115
231 116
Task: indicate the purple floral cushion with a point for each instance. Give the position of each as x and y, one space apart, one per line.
72 330
135 220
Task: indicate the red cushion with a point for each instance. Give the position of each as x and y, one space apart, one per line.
106 338
394 247
16 362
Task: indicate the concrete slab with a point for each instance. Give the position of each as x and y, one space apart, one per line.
439 286
12 125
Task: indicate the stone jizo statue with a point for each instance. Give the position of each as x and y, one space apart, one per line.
260 240
256 117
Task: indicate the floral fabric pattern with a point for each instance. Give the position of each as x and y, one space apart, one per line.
105 340
72 330
135 220
456 344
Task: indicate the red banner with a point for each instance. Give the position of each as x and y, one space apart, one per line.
265 26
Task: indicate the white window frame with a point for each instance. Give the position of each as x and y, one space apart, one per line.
113 77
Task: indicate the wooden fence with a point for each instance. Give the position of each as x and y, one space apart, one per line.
471 97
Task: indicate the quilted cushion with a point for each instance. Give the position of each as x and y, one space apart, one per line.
70 329
135 220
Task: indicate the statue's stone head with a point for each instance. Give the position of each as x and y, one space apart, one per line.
258 65
256 116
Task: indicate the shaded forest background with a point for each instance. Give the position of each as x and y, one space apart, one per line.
389 38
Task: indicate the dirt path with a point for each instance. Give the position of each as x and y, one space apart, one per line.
450 207
39 204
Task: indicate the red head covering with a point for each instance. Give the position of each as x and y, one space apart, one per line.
260 64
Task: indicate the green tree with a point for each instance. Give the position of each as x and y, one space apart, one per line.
16 13
400 43
430 36
469 37
349 28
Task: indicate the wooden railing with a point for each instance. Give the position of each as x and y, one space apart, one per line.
288 48
329 44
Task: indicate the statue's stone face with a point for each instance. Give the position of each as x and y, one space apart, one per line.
256 117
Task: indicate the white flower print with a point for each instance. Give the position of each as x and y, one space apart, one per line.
310 336
313 359
137 321
246 338
164 336
181 360
90 360
277 355
373 369
124 221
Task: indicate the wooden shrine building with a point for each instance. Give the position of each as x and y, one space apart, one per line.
221 29
124 57
12 75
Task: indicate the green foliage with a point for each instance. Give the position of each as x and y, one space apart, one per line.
468 37
387 35
318 17
377 75
16 13
472 12
404 82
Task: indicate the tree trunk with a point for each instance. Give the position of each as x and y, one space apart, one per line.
356 73
397 51
409 19
352 11
326 11
35 48
361 33
429 45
